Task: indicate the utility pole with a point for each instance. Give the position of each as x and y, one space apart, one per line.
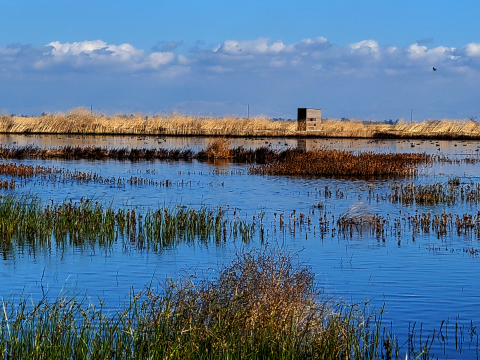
411 116
248 111
91 109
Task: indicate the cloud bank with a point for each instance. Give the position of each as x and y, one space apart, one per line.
317 54
227 71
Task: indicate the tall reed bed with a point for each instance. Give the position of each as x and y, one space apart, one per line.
82 121
27 221
447 129
263 305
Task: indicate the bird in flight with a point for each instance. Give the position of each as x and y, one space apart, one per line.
434 68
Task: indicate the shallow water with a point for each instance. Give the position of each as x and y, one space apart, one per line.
423 278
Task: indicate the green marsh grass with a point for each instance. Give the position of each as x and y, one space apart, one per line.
449 193
264 304
28 221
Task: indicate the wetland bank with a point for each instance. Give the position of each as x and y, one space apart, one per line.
94 240
83 121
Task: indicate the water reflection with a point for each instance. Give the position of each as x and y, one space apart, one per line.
437 147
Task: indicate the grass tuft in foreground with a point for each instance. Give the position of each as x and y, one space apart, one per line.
262 305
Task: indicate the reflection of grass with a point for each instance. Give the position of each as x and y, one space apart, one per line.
263 305
26 221
81 121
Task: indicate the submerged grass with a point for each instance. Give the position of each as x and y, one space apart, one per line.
27 221
262 305
449 193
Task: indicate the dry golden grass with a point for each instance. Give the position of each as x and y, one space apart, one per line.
446 128
218 149
81 121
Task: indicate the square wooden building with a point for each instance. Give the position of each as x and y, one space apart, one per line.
308 119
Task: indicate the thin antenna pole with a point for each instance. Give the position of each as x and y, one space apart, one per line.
248 111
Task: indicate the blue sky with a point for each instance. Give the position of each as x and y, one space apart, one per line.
365 59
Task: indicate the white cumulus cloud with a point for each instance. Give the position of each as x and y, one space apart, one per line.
431 56
252 47
261 55
472 49
365 47
159 59
91 54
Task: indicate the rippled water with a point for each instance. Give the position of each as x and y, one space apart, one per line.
424 280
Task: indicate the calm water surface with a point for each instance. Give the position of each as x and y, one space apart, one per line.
424 280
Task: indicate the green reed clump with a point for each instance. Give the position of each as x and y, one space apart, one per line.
262 305
244 228
180 224
448 193
27 221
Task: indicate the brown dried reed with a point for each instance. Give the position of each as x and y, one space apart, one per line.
218 149
338 163
82 121
94 153
318 162
7 185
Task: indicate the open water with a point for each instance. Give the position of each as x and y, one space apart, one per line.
421 279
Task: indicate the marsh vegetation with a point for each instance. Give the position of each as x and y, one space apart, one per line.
290 161
27 221
82 121
264 304
382 231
